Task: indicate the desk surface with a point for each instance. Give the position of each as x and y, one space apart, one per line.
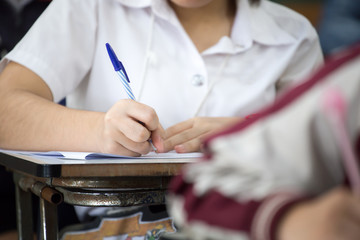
52 167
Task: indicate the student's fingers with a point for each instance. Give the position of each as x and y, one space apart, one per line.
204 123
136 132
133 130
138 147
194 128
185 137
135 110
193 145
118 149
119 121
178 128
186 131
118 143
112 139
143 114
134 119
114 147
157 137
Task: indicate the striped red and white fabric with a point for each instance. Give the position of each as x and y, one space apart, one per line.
253 171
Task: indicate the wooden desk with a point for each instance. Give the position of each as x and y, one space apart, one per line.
100 182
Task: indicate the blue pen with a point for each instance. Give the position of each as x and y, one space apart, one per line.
120 70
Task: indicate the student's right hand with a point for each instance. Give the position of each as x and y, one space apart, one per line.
127 127
333 216
30 120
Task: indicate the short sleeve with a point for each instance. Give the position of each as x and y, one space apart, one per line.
306 59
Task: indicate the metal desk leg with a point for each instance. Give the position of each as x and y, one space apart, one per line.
23 212
48 198
48 220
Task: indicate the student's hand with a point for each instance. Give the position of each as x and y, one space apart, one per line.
188 136
333 216
127 127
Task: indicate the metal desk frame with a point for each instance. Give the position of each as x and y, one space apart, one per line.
101 182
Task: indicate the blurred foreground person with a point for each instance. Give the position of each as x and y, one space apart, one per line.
290 172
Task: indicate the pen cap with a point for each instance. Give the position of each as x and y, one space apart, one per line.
114 60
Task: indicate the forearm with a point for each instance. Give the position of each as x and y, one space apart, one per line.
30 122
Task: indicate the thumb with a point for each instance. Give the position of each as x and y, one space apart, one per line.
157 137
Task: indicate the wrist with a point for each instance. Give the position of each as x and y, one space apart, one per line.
95 140
288 223
270 215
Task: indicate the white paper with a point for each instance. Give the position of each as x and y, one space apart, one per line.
93 155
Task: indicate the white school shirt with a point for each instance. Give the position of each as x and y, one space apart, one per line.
269 44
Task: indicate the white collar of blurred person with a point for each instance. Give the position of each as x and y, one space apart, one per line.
252 24
18 5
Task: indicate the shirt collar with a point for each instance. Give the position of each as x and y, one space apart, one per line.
251 24
254 24
163 10
136 4
262 26
160 8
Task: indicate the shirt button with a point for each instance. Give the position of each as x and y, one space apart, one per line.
197 80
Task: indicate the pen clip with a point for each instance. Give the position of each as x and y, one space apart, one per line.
123 69
115 61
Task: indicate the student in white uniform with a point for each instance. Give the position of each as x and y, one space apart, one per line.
194 67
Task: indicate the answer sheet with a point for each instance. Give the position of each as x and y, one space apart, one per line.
93 155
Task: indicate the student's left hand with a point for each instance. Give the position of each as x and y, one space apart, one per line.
188 136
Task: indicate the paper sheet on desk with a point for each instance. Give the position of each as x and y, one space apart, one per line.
91 155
